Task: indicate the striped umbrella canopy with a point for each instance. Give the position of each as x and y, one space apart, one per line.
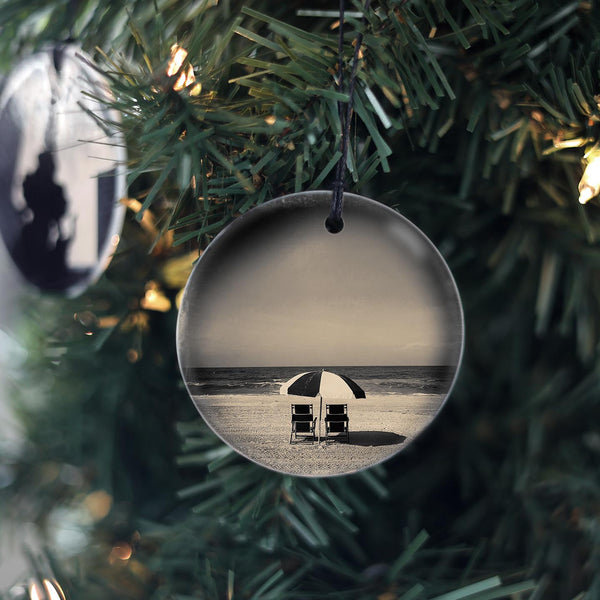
323 383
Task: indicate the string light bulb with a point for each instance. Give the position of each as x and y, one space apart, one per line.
51 590
35 593
589 186
186 76
154 299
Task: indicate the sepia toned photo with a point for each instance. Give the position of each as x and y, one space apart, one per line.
314 353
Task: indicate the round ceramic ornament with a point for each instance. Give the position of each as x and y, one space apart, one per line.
61 170
314 353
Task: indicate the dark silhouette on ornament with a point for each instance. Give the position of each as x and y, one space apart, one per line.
41 249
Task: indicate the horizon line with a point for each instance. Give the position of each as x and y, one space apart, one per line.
313 366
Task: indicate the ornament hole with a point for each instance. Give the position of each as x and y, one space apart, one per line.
334 224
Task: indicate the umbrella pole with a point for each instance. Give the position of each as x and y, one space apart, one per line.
320 412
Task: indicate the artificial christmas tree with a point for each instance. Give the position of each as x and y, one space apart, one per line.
472 118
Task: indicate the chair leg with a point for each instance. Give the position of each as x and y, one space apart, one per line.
305 435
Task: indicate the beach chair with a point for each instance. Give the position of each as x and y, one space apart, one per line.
336 421
303 423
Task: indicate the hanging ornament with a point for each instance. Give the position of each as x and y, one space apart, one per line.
371 314
318 345
61 170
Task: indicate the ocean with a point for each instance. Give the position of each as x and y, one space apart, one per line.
403 380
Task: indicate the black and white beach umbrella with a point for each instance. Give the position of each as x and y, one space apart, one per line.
322 384
325 383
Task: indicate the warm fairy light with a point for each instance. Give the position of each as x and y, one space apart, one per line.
120 552
34 592
186 76
53 590
154 299
184 79
178 55
537 115
589 186
133 355
271 120
107 322
98 504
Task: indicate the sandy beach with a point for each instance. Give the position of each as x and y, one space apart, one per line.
259 427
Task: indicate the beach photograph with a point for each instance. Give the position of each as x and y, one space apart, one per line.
257 420
319 354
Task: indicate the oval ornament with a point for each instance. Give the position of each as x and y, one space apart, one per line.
61 170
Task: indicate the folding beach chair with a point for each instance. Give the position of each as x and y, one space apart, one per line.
336 421
303 423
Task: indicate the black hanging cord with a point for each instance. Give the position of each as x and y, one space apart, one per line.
72 10
334 222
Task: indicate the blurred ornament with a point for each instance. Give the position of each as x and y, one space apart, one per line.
61 170
589 186
69 529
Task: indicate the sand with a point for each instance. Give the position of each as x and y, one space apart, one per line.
258 426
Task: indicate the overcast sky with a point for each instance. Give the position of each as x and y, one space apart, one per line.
277 289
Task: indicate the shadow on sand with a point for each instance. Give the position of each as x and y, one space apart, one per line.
375 438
